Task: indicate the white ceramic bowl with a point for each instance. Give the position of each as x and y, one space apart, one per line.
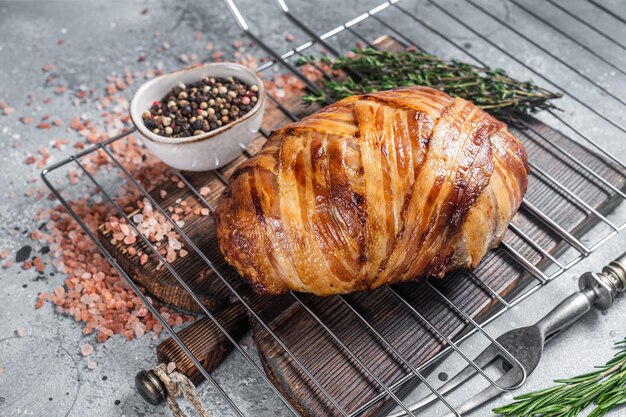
212 149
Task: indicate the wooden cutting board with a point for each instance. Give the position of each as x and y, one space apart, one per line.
334 369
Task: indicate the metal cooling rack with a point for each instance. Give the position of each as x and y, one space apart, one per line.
390 18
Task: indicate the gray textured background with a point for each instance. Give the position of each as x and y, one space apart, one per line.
44 371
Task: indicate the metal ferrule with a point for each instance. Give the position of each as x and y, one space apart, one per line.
616 274
606 285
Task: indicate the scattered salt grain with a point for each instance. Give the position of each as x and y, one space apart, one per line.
139 328
91 365
20 331
171 367
86 349
59 292
108 344
175 244
41 299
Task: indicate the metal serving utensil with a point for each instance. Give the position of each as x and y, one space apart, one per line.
526 343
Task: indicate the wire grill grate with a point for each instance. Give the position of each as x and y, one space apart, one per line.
580 165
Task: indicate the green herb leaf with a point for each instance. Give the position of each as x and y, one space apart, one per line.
604 388
489 88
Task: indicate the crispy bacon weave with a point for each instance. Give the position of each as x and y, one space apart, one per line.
375 189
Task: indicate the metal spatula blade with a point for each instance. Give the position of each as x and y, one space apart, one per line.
526 344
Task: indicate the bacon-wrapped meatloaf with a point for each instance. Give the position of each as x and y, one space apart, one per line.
375 189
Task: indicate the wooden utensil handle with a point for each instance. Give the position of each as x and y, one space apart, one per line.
205 341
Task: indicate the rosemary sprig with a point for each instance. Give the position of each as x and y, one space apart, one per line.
374 70
604 388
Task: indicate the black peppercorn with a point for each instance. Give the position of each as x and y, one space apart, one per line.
150 124
197 125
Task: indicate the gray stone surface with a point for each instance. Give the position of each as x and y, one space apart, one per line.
44 373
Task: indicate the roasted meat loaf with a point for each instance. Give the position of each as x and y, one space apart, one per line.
375 189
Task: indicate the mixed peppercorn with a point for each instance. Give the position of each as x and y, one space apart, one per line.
194 109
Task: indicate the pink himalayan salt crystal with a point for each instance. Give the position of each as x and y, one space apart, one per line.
175 244
171 367
91 365
86 349
20 331
139 328
59 292
130 239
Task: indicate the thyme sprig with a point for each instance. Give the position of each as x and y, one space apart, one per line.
373 70
605 389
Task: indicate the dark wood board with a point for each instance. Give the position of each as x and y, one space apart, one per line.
339 374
